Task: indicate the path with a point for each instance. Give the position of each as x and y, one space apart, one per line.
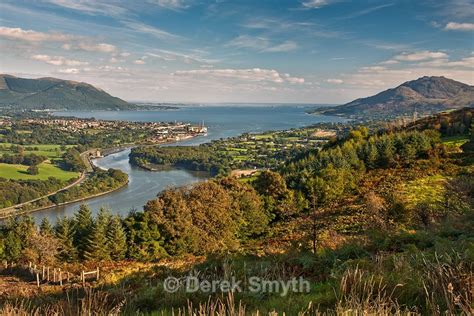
85 156
4 212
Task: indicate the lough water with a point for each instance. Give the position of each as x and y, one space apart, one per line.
222 121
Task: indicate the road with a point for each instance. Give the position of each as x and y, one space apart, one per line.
85 156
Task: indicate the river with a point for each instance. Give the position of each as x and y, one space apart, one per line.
222 121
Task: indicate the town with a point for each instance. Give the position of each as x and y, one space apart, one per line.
151 132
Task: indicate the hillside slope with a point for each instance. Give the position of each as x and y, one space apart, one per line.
52 93
424 95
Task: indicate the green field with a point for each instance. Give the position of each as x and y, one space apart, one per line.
46 170
428 190
48 150
455 141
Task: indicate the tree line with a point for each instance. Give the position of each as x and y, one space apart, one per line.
223 213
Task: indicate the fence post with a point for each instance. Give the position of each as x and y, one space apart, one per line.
60 277
37 279
67 276
43 272
47 274
97 273
54 274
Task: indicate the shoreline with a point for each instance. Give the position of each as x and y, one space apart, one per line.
42 208
107 152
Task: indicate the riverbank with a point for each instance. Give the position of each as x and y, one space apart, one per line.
223 122
64 203
88 159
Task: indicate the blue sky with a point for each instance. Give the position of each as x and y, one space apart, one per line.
308 51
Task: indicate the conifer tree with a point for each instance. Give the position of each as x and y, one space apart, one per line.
64 231
116 239
83 223
96 247
45 227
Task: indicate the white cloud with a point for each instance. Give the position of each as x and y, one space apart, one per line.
248 75
386 45
151 30
372 69
453 26
315 4
58 60
171 4
69 71
466 62
261 44
167 55
294 80
335 81
283 47
91 47
419 56
245 41
373 79
32 36
389 62
91 7
367 11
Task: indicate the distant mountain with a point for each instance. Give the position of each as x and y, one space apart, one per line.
52 93
424 95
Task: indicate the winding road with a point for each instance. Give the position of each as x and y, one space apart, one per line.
89 168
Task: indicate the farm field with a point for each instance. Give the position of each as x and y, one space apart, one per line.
51 151
46 170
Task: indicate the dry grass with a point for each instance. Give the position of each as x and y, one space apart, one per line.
448 290
449 287
77 303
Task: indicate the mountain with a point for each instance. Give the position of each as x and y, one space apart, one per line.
424 95
52 93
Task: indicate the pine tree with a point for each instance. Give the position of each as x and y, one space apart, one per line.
96 247
371 155
45 227
116 239
83 223
64 231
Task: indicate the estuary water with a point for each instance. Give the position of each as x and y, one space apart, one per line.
222 121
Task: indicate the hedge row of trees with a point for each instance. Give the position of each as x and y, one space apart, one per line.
70 240
100 181
15 192
72 160
21 159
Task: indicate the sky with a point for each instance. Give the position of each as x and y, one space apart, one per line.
300 51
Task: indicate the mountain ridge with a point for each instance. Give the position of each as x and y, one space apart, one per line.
54 93
424 95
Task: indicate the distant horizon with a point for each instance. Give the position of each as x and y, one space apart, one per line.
223 102
304 51
232 103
